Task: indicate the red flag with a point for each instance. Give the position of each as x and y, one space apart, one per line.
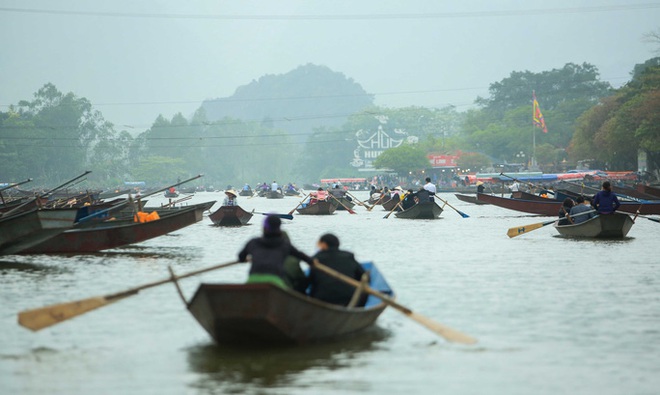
537 117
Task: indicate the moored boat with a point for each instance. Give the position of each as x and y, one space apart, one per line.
29 228
468 199
423 210
230 216
265 313
111 234
551 207
615 225
319 208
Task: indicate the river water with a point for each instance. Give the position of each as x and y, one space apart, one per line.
552 315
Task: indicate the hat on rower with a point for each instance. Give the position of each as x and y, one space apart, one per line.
231 192
479 183
398 188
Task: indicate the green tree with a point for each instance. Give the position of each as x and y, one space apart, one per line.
403 159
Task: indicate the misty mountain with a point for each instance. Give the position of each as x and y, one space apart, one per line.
305 98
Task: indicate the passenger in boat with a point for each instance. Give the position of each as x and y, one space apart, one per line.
430 187
231 198
583 205
409 200
423 195
274 187
480 187
566 206
247 188
515 187
605 200
329 289
396 193
268 254
294 276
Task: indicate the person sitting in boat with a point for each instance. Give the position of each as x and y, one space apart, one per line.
231 198
294 275
605 200
480 187
515 187
268 254
247 188
423 195
409 200
566 206
274 187
329 289
583 205
397 193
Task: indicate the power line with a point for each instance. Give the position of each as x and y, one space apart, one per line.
344 17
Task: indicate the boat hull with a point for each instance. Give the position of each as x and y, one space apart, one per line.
230 216
27 229
425 210
319 208
616 225
342 203
551 207
105 235
468 199
265 313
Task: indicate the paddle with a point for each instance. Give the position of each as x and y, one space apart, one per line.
382 195
358 201
517 231
301 202
449 334
10 186
342 204
44 317
394 208
462 214
283 216
116 206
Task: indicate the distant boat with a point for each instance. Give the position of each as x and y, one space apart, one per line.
423 210
230 216
319 208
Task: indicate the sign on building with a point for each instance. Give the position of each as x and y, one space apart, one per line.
373 143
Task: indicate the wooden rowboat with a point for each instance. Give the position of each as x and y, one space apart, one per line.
230 216
616 225
390 204
274 195
29 228
318 208
344 203
245 192
111 234
468 199
552 207
423 210
265 313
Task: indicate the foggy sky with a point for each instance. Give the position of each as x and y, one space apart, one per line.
133 67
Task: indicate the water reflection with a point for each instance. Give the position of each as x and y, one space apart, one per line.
228 369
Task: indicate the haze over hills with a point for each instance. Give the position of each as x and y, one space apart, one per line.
305 98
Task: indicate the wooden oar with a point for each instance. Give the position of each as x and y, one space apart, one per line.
283 216
44 317
462 214
391 211
517 231
449 334
361 203
301 202
342 204
382 195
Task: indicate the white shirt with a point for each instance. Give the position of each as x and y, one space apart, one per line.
430 187
274 186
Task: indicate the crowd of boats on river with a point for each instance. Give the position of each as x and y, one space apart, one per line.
59 221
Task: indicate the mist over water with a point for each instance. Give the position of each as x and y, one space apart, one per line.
552 315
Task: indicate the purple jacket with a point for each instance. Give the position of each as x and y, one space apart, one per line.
606 202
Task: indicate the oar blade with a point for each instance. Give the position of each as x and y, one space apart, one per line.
517 231
448 333
44 317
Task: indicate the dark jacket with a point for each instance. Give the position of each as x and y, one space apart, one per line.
408 201
327 288
606 202
268 255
